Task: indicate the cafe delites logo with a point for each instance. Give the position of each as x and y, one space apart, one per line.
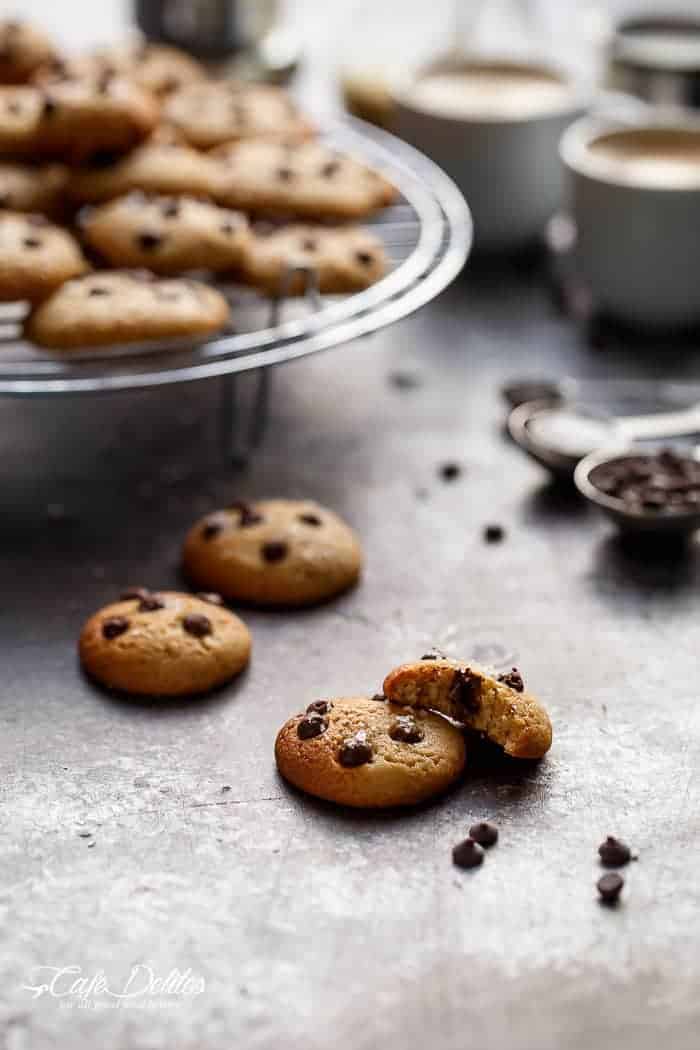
143 986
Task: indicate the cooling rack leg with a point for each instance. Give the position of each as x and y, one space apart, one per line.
245 402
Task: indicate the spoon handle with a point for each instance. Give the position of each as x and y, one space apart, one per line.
660 425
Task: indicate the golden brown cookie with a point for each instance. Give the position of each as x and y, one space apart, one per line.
213 113
308 180
33 187
369 753
273 552
168 235
343 259
155 167
35 257
496 705
24 47
164 644
159 68
119 306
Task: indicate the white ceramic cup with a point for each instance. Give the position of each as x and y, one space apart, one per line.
637 246
506 165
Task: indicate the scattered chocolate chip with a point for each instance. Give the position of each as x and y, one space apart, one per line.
151 603
149 241
97 289
248 516
210 597
613 853
274 551
468 854
405 729
85 834
513 679
32 242
332 167
450 471
210 529
484 833
134 594
310 519
285 174
355 750
321 706
465 689
311 725
114 626
494 533
364 258
379 697
197 624
610 887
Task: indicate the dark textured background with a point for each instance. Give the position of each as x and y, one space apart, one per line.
313 927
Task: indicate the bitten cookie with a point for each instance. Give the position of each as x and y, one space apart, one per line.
496 705
154 167
369 753
24 47
344 259
274 552
212 113
308 180
164 644
166 234
113 307
34 188
35 257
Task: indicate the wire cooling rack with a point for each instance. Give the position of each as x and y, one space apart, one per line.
427 236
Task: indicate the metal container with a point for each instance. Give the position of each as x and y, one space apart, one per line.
657 59
210 29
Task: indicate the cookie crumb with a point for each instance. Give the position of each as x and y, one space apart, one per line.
494 533
614 853
450 471
484 833
610 887
467 854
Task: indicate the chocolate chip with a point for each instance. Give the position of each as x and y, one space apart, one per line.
494 533
450 471
210 529
321 706
32 242
310 519
14 106
405 729
610 887
613 853
149 241
151 603
513 679
210 597
285 174
379 697
134 594
170 210
311 725
197 624
468 854
115 626
274 551
364 258
248 516
49 108
355 750
484 833
309 244
464 690
97 289
227 228
330 168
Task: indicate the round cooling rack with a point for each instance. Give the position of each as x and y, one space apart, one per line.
427 236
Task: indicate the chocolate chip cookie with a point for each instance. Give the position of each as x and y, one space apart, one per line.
159 68
308 180
213 113
168 235
343 259
34 187
35 257
369 753
24 48
155 167
114 307
164 644
273 552
497 705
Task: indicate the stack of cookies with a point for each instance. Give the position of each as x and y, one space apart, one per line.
124 170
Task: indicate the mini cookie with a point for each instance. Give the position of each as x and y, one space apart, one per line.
274 552
114 307
35 257
213 113
75 118
307 180
155 167
164 644
496 705
24 47
166 234
345 259
367 753
34 188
